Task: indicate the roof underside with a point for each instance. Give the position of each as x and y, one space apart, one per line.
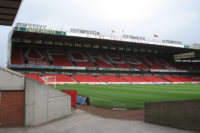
83 40
8 11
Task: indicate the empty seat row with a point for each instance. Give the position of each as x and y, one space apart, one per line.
86 78
111 78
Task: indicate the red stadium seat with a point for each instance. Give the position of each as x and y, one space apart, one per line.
61 60
140 66
111 78
103 64
153 79
16 56
150 62
35 56
85 78
133 79
123 66
58 78
179 79
80 59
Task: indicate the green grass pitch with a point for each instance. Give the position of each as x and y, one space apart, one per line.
134 96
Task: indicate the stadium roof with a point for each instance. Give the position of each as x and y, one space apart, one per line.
8 11
94 41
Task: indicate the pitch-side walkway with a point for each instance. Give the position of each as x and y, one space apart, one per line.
82 122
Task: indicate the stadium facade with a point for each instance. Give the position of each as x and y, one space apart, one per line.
84 56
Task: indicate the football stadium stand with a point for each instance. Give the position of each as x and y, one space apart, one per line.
103 79
60 58
86 59
36 56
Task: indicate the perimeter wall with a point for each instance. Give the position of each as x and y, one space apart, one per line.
178 114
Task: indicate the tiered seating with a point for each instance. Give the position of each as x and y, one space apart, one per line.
185 79
179 66
153 79
39 56
80 59
16 57
102 64
196 78
84 64
123 66
58 78
171 79
61 60
170 65
194 66
118 60
100 59
165 63
133 79
178 79
135 62
111 78
152 63
140 66
33 56
85 78
126 78
62 78
34 76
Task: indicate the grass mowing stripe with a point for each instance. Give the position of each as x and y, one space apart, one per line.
134 96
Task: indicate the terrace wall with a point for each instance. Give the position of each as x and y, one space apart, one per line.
27 102
178 114
11 80
44 104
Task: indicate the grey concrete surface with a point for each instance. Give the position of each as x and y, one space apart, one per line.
83 122
11 80
44 104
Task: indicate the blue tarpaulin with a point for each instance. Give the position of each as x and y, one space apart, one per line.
82 100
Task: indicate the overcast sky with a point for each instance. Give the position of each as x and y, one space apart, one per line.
177 20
